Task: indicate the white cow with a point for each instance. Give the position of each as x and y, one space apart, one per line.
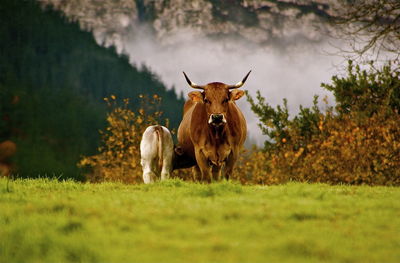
156 150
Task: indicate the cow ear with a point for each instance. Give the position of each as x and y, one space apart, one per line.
196 96
178 150
236 94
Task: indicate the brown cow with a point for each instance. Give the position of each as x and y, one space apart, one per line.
213 128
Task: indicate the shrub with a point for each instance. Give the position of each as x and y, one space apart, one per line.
253 167
275 123
355 152
119 155
344 151
366 92
356 143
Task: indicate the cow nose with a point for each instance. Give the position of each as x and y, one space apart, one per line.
217 118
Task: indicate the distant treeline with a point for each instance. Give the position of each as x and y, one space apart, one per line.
53 78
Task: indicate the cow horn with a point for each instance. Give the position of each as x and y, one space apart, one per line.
240 83
192 84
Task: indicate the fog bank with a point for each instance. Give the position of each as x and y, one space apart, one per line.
294 73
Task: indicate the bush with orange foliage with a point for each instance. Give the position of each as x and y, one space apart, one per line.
253 167
119 155
344 151
7 151
358 142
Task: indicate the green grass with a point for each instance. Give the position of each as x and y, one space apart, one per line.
50 221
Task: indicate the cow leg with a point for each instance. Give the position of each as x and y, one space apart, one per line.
196 173
203 165
165 174
206 174
148 174
230 163
166 167
199 176
216 172
148 177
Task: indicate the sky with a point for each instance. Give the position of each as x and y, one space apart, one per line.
295 73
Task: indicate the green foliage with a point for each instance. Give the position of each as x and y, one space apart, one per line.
175 221
366 92
53 78
276 124
307 121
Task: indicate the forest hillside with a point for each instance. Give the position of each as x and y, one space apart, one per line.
53 79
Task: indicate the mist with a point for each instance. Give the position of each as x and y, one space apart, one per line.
293 72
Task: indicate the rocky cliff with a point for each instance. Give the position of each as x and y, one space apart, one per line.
263 22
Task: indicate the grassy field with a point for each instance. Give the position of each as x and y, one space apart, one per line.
51 221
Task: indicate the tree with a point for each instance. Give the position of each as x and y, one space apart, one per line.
370 26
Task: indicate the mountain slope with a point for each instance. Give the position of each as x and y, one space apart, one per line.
53 78
263 22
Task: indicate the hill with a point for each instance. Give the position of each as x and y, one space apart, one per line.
53 78
262 22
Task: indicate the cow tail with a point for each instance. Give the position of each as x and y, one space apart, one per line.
159 132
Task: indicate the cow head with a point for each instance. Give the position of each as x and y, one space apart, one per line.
216 97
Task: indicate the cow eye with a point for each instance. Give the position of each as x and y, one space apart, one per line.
225 100
207 101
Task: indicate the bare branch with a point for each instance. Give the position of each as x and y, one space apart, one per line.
371 25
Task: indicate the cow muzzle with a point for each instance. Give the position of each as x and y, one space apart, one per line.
217 119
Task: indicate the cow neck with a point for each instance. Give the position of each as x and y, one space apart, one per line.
217 134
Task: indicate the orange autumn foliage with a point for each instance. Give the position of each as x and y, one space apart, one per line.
357 142
119 155
345 151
